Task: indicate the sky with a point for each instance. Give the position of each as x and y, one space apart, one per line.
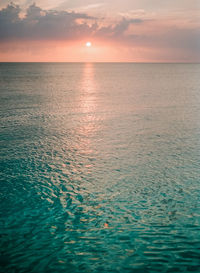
119 31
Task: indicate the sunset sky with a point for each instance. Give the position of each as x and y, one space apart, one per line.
119 30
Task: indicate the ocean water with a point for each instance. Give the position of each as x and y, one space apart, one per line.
100 168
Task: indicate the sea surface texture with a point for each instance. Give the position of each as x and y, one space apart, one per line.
100 168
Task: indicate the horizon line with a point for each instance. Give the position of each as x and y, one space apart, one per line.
160 62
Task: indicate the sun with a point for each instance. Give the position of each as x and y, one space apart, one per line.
88 44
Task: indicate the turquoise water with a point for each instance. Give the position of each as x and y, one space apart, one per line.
100 168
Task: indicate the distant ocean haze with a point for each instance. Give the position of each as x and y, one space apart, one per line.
100 167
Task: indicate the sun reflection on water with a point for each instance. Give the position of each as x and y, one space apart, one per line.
88 115
88 87
88 103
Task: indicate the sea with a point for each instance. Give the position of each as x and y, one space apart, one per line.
100 167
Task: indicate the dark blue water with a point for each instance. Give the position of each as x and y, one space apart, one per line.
100 168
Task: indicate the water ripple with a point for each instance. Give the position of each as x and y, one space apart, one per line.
100 173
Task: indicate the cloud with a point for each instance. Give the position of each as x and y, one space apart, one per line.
117 31
129 32
92 6
40 24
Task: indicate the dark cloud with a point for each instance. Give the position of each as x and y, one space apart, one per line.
123 25
49 25
40 24
118 30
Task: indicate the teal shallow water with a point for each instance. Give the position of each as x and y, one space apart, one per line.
100 168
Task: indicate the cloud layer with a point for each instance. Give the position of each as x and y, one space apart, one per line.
130 31
39 24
